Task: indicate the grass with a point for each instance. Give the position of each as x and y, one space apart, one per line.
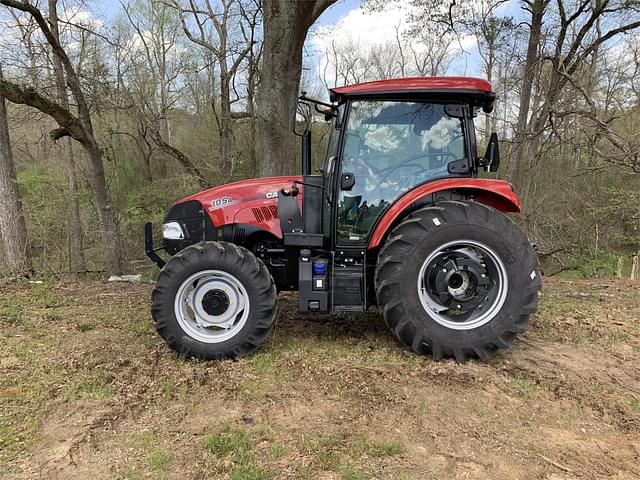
262 362
97 385
12 313
142 440
378 448
619 337
168 387
84 326
250 472
524 387
340 452
230 442
160 459
237 445
635 404
277 451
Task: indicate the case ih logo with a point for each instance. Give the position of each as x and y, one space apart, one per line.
220 202
272 194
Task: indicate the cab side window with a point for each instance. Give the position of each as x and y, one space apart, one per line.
390 147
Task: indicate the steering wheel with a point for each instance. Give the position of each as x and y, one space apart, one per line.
389 170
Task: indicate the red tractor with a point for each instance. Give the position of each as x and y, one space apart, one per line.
396 218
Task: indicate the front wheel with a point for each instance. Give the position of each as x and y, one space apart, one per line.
214 300
457 279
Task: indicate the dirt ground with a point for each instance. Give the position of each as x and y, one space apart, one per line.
88 390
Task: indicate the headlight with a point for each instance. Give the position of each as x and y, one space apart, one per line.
172 231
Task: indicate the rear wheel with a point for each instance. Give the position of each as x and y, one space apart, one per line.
214 300
457 279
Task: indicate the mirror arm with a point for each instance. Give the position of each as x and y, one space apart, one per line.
297 182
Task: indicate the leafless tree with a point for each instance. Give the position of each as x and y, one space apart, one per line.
578 31
79 127
13 231
222 30
154 78
286 23
74 226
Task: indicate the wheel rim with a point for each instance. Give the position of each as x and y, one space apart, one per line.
211 306
463 284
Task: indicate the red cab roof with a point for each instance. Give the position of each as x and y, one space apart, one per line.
417 85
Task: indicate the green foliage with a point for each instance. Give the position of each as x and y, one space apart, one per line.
621 215
589 264
250 473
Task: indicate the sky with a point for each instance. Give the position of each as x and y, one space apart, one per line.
349 19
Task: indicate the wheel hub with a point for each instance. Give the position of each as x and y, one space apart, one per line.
212 306
215 302
462 284
458 280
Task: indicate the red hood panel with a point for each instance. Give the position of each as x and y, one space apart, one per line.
243 190
251 201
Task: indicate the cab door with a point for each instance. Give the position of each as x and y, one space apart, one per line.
389 147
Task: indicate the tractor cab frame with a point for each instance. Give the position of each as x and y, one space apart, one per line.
400 143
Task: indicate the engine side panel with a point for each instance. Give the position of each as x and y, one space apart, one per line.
251 201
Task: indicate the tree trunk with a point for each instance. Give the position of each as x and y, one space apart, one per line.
520 139
635 267
286 23
13 230
74 227
108 221
77 262
226 132
488 118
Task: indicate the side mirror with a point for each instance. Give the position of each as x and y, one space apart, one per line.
491 160
347 181
302 119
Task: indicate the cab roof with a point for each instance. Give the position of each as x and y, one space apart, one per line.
480 89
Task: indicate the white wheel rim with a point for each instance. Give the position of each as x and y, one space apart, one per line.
211 306
494 275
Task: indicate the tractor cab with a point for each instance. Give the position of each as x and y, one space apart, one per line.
396 217
386 139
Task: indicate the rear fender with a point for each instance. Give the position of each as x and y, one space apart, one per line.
497 194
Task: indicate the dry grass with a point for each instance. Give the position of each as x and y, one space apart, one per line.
88 390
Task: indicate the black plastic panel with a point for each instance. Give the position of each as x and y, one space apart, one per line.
312 204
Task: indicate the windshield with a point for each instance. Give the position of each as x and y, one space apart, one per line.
390 147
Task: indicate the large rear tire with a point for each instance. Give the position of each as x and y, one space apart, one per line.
214 300
457 279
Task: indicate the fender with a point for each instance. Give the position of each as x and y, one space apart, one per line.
495 193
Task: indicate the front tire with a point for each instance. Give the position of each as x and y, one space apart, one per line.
214 300
457 279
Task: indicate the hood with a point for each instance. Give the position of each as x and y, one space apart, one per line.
235 202
241 191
